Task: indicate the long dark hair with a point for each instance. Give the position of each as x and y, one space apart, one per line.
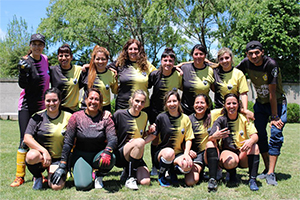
224 111
206 118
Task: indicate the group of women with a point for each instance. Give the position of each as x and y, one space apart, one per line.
185 135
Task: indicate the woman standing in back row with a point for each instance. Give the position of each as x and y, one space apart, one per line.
133 70
34 80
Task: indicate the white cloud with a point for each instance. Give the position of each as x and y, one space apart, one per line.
2 34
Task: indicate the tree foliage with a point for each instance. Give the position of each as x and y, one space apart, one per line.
275 23
110 23
13 47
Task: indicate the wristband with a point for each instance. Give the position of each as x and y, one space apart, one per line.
274 117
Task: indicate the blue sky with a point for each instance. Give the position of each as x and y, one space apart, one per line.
32 11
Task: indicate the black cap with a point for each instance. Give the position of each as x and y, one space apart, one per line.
254 45
37 37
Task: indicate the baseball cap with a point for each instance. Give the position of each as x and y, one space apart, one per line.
37 37
254 45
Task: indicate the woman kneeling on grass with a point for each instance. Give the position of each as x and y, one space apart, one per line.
44 136
94 138
174 130
130 127
238 141
203 151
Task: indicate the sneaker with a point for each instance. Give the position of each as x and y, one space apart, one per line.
124 175
271 179
212 185
17 182
37 183
153 171
219 174
263 175
164 182
98 182
131 183
253 185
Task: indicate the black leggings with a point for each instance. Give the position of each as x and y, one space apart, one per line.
23 117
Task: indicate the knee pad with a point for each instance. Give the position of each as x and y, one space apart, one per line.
82 172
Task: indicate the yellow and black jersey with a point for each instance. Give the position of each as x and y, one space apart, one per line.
194 81
105 82
200 133
262 76
49 132
233 81
69 82
173 131
129 127
131 78
161 85
240 130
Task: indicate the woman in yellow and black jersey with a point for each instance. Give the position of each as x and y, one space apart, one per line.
203 151
238 141
67 78
162 81
174 130
130 128
197 78
133 70
229 79
100 77
44 136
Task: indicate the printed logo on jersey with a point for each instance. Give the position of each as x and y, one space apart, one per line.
265 77
205 82
75 81
274 72
63 132
107 87
242 133
229 86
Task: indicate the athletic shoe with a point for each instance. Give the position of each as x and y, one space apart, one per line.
212 185
131 183
253 185
271 179
98 182
153 171
17 182
163 181
37 183
263 175
219 174
124 175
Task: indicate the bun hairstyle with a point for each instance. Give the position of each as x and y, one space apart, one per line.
200 47
65 48
168 52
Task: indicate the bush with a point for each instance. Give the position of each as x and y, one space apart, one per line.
250 106
293 113
112 106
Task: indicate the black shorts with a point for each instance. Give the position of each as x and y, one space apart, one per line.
200 159
121 161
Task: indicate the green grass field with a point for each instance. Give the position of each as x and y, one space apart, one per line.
287 172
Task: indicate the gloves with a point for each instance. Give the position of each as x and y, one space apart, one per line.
24 66
105 157
59 173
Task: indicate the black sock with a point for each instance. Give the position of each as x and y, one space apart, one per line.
212 161
133 165
253 162
232 173
163 167
153 150
36 169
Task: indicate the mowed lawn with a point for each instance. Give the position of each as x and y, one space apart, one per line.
287 172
